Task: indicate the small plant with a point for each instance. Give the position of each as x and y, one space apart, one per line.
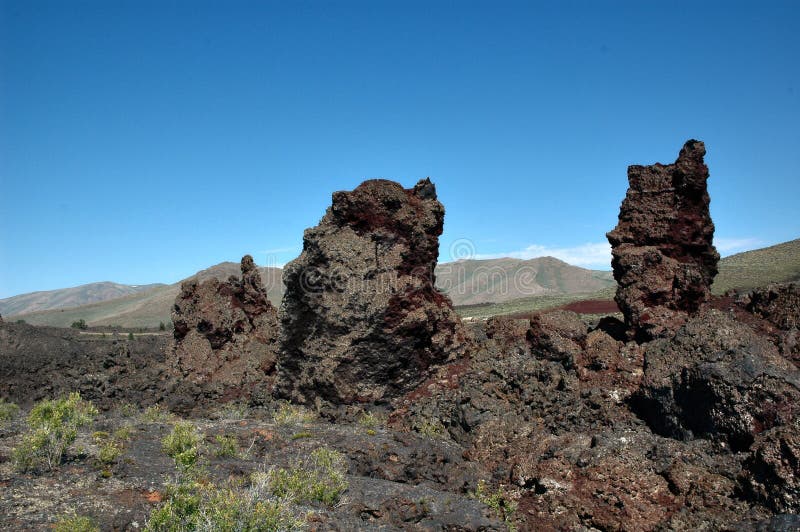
76 523
234 411
155 414
53 427
371 432
192 506
109 452
80 324
162 327
430 428
130 336
226 446
182 445
289 414
320 478
370 420
123 433
7 410
498 501
127 409
300 435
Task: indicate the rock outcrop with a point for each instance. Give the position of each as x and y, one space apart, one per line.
361 318
225 339
663 256
718 379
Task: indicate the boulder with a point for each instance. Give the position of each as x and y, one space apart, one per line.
362 321
662 252
772 472
717 379
777 303
224 340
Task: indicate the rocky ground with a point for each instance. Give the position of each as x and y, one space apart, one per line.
566 424
365 403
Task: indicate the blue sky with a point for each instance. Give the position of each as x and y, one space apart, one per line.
141 141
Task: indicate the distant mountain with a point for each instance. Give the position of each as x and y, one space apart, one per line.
775 264
145 309
472 282
69 297
527 283
466 282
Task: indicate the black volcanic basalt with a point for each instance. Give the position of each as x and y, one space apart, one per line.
719 379
361 318
663 256
225 340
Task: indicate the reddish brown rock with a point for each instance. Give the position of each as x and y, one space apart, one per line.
772 472
779 305
225 339
663 257
717 378
361 318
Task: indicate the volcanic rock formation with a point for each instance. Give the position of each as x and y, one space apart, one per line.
663 256
225 338
361 318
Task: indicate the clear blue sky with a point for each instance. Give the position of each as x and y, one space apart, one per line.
141 141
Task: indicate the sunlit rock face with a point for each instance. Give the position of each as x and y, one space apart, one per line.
361 318
663 256
225 340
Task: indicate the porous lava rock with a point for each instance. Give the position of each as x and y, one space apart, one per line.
224 340
45 362
662 252
717 378
361 319
778 304
772 472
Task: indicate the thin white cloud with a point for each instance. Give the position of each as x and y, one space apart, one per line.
597 255
589 255
735 245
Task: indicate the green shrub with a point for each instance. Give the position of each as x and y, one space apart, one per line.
155 414
76 523
320 478
430 428
109 452
226 445
123 433
80 324
301 435
53 427
370 420
289 414
233 411
500 503
127 409
162 327
7 410
182 445
190 505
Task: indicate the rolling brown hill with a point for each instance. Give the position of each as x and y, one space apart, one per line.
473 282
481 287
145 309
744 271
467 282
69 297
